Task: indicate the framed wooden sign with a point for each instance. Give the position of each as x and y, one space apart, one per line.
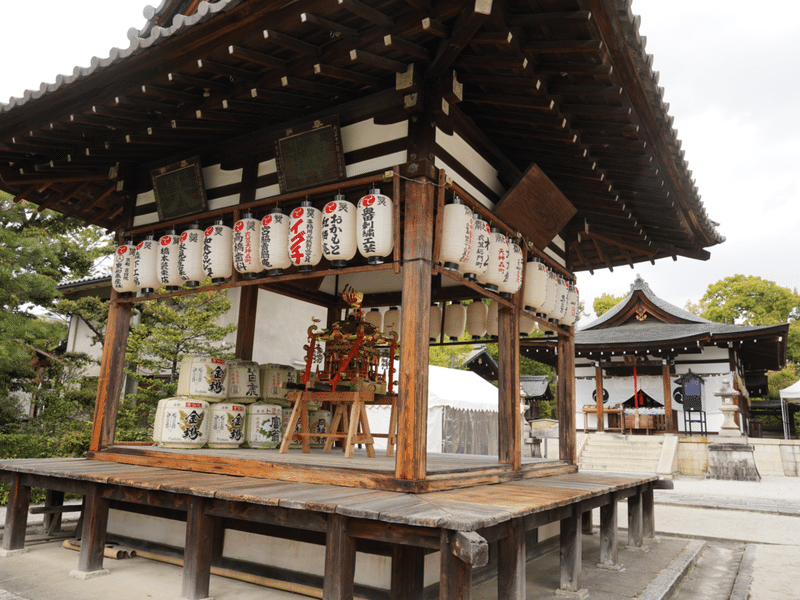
310 155
179 189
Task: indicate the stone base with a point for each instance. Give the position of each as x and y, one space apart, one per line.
733 461
88 574
580 594
618 567
6 553
641 548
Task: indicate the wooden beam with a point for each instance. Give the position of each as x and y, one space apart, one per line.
285 41
347 75
340 560
509 426
93 533
466 25
635 521
511 563
198 551
408 571
328 25
367 13
562 46
566 398
598 391
378 61
609 552
19 498
406 47
259 58
570 552
455 575
672 426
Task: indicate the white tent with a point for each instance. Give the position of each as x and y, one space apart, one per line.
453 388
789 394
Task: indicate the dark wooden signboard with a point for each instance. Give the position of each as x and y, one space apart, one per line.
310 155
179 189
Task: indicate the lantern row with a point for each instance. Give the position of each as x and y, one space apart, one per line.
482 253
272 244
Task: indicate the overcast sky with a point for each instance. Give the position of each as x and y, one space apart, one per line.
732 79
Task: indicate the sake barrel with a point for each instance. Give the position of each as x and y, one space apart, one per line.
286 414
264 425
181 423
275 380
243 381
227 425
319 421
203 377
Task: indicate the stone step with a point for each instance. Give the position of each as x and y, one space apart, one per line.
618 467
611 453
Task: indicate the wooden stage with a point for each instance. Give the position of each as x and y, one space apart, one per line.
444 471
461 523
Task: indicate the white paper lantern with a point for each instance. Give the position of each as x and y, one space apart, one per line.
512 281
190 256
168 249
455 320
527 324
243 381
551 294
145 265
203 377
218 252
391 322
374 318
181 423
275 242
496 270
457 235
339 231
535 288
124 259
247 246
477 313
375 226
572 306
478 260
560 309
226 429
305 237
435 327
263 429
491 319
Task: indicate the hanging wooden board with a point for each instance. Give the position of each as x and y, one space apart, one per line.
536 207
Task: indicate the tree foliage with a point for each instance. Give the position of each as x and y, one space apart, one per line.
605 302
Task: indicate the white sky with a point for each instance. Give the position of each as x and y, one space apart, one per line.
732 79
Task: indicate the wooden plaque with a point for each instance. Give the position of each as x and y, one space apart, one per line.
179 189
310 155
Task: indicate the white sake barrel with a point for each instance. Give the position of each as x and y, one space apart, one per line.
286 414
264 425
227 425
275 380
203 377
243 381
319 421
181 423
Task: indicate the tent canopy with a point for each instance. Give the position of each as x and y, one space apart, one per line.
791 393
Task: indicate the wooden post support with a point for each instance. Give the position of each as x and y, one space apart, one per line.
340 560
609 551
411 461
570 555
672 426
455 570
509 425
246 329
586 523
93 535
511 563
566 398
19 498
198 551
635 521
648 513
52 520
408 571
109 382
598 379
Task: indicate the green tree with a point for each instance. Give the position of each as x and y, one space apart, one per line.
751 300
605 302
167 331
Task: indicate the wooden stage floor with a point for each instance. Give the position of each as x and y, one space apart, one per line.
444 471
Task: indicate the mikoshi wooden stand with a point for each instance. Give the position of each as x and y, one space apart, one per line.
546 121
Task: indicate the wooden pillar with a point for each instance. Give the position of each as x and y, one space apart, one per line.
635 520
570 552
672 426
566 398
609 551
198 551
109 382
246 328
648 513
93 533
598 380
511 563
411 462
19 499
408 572
586 523
340 560
509 424
460 551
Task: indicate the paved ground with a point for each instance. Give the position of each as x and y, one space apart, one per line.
744 537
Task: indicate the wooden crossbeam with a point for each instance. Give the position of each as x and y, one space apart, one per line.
347 75
199 82
507 100
328 25
562 46
377 61
227 70
367 13
169 94
259 58
285 41
546 19
316 87
466 26
406 47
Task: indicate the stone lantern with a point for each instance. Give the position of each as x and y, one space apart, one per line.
732 457
729 428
